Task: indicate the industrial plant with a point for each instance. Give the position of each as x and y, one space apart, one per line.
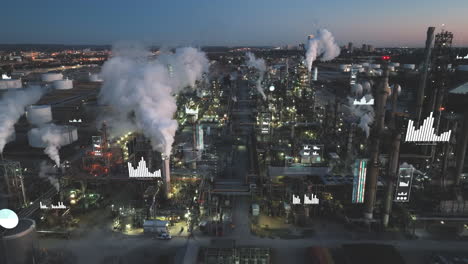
308 153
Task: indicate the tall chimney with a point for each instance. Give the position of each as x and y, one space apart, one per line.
376 134
461 149
392 176
392 173
167 175
422 84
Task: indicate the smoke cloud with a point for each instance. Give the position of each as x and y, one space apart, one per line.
260 65
141 91
47 171
12 107
52 136
324 45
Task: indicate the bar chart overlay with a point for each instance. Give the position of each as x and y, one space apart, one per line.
426 132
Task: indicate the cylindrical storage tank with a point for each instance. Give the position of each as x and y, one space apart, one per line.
365 64
361 70
409 66
375 66
50 77
61 135
63 84
19 245
394 64
94 78
357 66
11 84
462 68
39 114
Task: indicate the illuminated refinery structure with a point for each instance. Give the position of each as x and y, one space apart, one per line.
303 152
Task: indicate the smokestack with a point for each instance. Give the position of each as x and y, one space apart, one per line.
392 176
422 84
376 134
167 175
394 159
349 148
461 149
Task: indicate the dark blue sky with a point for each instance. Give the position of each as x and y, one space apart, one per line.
229 22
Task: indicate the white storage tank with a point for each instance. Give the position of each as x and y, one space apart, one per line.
375 66
63 84
361 69
19 245
409 66
394 64
38 137
11 84
39 114
462 68
365 64
50 77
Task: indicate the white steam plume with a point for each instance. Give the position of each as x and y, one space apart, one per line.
260 65
52 136
364 113
323 44
49 172
141 91
12 107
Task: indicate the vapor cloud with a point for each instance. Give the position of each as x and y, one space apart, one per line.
363 113
324 45
47 171
52 136
260 65
141 90
12 107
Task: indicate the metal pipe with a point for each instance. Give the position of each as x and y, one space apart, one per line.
167 175
376 134
392 177
422 84
461 149
7 180
392 173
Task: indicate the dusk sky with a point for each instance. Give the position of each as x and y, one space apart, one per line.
235 22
